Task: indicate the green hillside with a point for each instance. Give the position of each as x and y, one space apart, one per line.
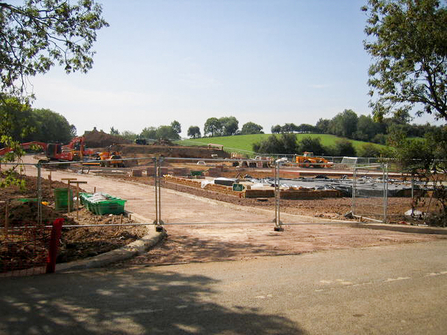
244 143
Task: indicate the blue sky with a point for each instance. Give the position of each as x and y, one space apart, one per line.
269 62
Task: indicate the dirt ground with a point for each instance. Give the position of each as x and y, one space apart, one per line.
75 243
217 242
329 208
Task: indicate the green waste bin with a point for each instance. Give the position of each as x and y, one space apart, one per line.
61 196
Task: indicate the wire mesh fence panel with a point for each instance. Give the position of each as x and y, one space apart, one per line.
229 180
419 203
370 192
24 249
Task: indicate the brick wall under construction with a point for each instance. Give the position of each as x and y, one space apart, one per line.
258 193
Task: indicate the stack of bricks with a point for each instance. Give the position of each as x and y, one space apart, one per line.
181 172
150 171
183 181
137 173
198 184
309 194
214 172
259 193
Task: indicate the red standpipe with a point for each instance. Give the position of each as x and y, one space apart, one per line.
56 232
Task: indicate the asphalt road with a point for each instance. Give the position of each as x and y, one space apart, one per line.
399 289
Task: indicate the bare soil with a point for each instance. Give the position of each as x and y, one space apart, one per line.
217 242
75 243
99 139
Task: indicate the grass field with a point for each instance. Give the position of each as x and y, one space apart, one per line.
244 143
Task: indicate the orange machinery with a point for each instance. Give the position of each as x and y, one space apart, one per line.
73 151
309 160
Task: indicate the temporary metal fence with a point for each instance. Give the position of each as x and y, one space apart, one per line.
383 195
370 192
29 249
193 174
377 194
370 185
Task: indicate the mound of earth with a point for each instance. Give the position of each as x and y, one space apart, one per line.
99 139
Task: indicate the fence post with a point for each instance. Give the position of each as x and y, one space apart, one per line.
157 185
159 227
39 193
354 190
156 189
56 232
385 191
278 225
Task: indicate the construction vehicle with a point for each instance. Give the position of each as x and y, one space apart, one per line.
25 146
74 151
308 160
111 159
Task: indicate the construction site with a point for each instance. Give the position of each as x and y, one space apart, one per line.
109 194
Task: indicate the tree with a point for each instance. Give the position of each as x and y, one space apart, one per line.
194 132
212 126
285 144
73 131
344 124
276 129
344 147
408 43
40 34
271 145
229 125
289 128
289 143
424 159
369 150
129 135
251 128
323 126
15 124
176 126
366 128
149 132
49 126
15 120
35 37
167 133
312 144
114 131
306 128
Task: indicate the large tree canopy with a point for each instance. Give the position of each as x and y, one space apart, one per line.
229 125
49 127
212 126
15 120
194 132
251 128
39 34
408 42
